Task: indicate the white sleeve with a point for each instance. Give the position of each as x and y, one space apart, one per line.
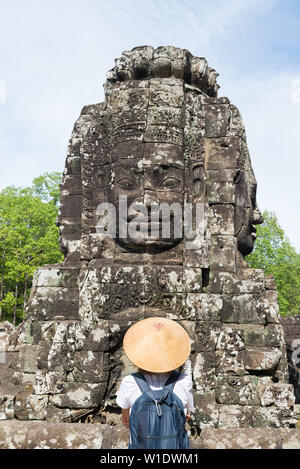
190 405
184 389
122 394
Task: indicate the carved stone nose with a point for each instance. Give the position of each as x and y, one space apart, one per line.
149 199
257 216
147 185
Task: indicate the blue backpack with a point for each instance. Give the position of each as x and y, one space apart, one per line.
157 418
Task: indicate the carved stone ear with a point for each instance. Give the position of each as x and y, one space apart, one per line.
198 175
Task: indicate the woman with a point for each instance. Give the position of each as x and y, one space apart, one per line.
158 347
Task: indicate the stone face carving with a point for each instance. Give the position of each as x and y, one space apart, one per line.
161 136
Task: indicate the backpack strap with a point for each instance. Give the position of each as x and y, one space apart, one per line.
145 388
141 382
171 381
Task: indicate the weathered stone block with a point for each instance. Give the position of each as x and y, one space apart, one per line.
41 435
231 361
223 253
7 401
217 120
23 378
198 257
55 414
51 302
49 382
273 416
12 435
204 307
161 115
261 358
56 277
91 367
270 282
254 335
29 406
237 390
206 413
164 95
167 279
279 394
192 280
246 438
206 335
221 153
221 220
235 416
273 335
272 307
204 371
244 309
246 281
220 192
98 339
214 283
28 357
80 395
231 338
290 438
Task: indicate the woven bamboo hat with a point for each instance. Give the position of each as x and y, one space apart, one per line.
157 345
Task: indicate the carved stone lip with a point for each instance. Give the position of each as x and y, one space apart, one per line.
253 231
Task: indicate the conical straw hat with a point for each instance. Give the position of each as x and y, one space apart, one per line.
157 345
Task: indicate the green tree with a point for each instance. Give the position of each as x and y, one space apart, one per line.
46 187
274 253
28 239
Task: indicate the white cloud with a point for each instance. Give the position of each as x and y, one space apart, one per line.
2 92
296 91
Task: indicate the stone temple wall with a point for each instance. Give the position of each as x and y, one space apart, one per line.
161 135
291 329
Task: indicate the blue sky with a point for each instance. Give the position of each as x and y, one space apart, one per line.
54 56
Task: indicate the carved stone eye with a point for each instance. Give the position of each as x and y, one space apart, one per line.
126 183
170 182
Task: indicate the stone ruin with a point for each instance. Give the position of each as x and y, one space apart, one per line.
291 329
161 135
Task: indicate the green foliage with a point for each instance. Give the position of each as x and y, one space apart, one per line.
46 187
28 239
274 253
